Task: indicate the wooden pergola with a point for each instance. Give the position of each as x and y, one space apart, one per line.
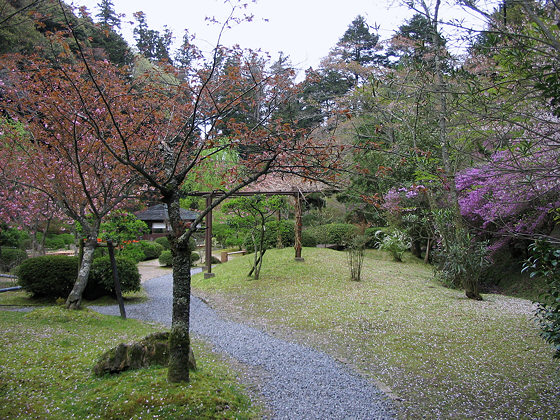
268 185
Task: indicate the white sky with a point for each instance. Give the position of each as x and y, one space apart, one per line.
303 29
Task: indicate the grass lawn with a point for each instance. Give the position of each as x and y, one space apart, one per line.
438 354
46 362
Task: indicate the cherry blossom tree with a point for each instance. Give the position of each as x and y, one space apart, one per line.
162 127
52 153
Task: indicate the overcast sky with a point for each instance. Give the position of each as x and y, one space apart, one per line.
303 29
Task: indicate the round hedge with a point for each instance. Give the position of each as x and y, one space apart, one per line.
133 252
308 239
48 276
166 259
163 241
151 250
11 258
101 280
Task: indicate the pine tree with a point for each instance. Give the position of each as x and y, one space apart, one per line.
357 46
107 15
150 43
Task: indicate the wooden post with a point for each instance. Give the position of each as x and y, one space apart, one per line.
116 279
208 240
297 241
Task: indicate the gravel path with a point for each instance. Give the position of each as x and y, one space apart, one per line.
300 383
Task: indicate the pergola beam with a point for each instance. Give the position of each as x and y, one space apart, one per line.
209 195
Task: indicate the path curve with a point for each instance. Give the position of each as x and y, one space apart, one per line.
300 382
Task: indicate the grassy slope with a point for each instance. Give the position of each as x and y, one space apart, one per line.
46 359
438 353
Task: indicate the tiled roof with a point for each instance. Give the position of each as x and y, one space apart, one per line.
159 212
283 183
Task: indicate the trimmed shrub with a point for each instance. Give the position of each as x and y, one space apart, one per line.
11 258
308 238
273 229
284 229
340 233
133 251
334 233
58 241
166 259
50 276
151 250
101 280
14 238
164 242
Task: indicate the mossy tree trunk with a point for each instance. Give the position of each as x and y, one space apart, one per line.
74 299
179 340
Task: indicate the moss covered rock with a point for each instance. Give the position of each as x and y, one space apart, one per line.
151 350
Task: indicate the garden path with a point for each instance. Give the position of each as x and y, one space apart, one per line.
295 381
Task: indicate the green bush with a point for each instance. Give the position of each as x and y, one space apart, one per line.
374 235
396 243
545 262
273 229
166 259
68 238
164 242
13 238
151 250
334 233
285 229
308 238
54 242
133 251
11 258
48 276
101 281
228 236
459 259
58 241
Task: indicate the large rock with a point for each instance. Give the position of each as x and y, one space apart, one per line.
152 350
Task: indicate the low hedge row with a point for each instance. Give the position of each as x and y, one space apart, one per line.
334 233
166 258
53 276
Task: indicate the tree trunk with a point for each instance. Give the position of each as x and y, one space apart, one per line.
261 249
258 261
74 299
416 248
42 250
471 286
179 340
428 246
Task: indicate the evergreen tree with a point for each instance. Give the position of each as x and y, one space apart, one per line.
357 46
414 40
150 43
107 15
186 53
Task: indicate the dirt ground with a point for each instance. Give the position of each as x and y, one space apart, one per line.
151 269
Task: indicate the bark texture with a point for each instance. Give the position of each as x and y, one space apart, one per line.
74 299
179 340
